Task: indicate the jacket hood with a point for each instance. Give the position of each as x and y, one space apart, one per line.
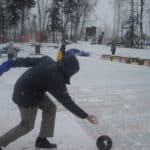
70 66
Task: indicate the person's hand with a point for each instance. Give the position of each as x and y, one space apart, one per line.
92 119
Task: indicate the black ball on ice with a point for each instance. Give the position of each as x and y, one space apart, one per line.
104 142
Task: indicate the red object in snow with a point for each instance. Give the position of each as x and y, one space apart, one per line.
38 37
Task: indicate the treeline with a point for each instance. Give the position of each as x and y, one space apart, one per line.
52 19
132 22
12 12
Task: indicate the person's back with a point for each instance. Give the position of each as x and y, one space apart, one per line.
34 82
46 75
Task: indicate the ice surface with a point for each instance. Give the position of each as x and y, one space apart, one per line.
118 94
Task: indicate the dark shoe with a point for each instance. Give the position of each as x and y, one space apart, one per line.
44 143
0 148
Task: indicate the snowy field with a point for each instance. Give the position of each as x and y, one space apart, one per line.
118 94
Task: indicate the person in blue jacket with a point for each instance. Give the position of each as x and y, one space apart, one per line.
44 75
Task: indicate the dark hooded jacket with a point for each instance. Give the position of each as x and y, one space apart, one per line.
46 75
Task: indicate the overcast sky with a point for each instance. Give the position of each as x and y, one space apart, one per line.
103 12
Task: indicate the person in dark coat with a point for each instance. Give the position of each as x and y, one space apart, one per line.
113 48
44 75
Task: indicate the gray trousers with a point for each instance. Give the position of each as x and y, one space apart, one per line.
28 117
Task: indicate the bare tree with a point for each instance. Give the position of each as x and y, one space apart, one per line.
120 9
43 16
141 38
81 14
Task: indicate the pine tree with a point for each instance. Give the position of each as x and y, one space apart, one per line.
17 9
2 19
13 14
60 13
130 38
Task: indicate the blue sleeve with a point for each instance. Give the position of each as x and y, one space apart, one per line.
5 66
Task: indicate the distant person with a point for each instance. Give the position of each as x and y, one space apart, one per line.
44 75
61 52
113 48
100 38
11 50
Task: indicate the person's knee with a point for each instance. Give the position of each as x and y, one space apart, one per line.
27 127
54 108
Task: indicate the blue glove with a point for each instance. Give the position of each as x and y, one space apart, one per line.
5 66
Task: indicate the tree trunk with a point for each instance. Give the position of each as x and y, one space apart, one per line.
141 24
3 26
14 33
40 18
132 26
54 36
22 23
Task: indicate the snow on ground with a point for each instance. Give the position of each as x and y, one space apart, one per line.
118 94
